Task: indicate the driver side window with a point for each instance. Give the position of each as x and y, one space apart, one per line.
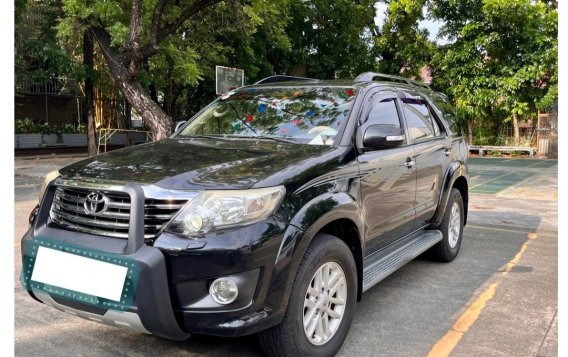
383 111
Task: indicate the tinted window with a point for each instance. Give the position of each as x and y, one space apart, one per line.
448 114
383 112
418 119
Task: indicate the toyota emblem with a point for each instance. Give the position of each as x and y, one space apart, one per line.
95 202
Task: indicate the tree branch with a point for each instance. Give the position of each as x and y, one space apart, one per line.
114 59
188 12
134 41
156 20
158 33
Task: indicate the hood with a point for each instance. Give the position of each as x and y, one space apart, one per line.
194 164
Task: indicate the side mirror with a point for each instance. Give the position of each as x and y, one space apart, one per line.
179 124
382 137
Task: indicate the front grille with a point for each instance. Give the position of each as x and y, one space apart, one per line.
68 211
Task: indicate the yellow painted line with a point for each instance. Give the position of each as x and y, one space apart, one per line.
516 259
450 340
446 344
483 183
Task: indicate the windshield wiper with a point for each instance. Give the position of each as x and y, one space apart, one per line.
273 138
203 136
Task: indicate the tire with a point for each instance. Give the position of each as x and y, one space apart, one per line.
447 249
289 338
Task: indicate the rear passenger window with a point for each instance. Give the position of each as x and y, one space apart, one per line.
421 124
383 112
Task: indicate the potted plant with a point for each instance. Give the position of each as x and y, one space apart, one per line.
27 134
49 135
75 136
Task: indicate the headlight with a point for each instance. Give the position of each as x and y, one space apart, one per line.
48 178
212 210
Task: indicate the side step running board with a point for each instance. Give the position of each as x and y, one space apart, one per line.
388 260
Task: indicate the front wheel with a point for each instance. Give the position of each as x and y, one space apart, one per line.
452 229
321 305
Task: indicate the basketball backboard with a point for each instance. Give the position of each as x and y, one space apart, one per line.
227 79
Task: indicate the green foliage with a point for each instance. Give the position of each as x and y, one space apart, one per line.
29 126
26 126
402 47
328 39
501 59
38 53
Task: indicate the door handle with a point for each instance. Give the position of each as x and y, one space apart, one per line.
447 151
409 162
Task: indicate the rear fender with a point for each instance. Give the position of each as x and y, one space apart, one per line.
455 170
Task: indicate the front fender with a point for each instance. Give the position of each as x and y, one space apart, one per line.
455 170
307 222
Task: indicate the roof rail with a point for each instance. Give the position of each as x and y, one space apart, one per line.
370 76
283 78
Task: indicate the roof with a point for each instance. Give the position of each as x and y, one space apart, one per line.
364 79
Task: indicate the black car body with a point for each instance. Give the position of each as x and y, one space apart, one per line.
378 188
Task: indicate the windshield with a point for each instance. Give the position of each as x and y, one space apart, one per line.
309 115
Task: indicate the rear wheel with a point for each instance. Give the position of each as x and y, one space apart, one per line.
321 305
452 229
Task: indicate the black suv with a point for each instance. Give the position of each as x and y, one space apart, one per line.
271 211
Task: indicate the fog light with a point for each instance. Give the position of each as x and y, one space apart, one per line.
223 291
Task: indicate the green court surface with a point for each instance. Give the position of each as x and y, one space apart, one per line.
484 180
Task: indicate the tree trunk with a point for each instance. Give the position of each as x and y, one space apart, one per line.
88 55
128 122
152 114
151 86
516 130
470 132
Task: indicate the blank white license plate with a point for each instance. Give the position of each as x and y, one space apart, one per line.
84 275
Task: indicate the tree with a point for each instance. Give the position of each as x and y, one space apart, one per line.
328 38
501 61
88 60
400 46
158 51
128 34
38 54
250 37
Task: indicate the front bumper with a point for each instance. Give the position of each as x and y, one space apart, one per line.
171 297
150 311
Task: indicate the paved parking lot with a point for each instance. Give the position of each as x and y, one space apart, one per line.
498 298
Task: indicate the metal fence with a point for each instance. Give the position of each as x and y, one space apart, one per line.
29 84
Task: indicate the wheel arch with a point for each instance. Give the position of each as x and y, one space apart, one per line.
456 176
341 219
461 184
346 230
